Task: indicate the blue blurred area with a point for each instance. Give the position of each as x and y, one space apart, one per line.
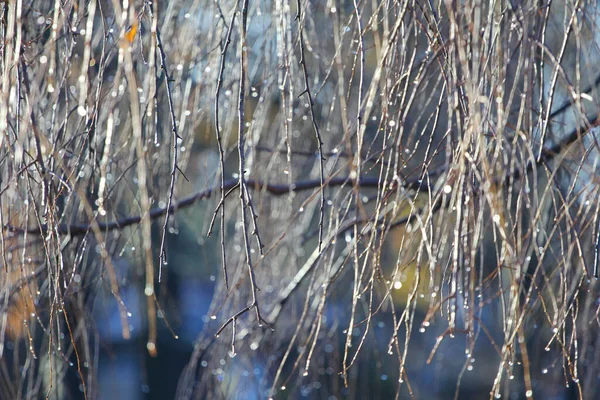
126 371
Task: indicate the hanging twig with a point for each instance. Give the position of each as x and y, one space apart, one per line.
221 151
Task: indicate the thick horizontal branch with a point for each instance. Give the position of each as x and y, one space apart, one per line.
273 189
416 184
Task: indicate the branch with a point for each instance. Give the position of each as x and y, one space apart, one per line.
416 184
313 118
258 185
175 138
547 155
220 147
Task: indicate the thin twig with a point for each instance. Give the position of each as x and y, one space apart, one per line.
244 194
314 121
175 138
221 204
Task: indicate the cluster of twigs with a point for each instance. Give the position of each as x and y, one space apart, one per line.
401 166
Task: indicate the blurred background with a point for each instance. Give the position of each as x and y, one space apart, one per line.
417 216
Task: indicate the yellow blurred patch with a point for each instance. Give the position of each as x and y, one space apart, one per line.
130 34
